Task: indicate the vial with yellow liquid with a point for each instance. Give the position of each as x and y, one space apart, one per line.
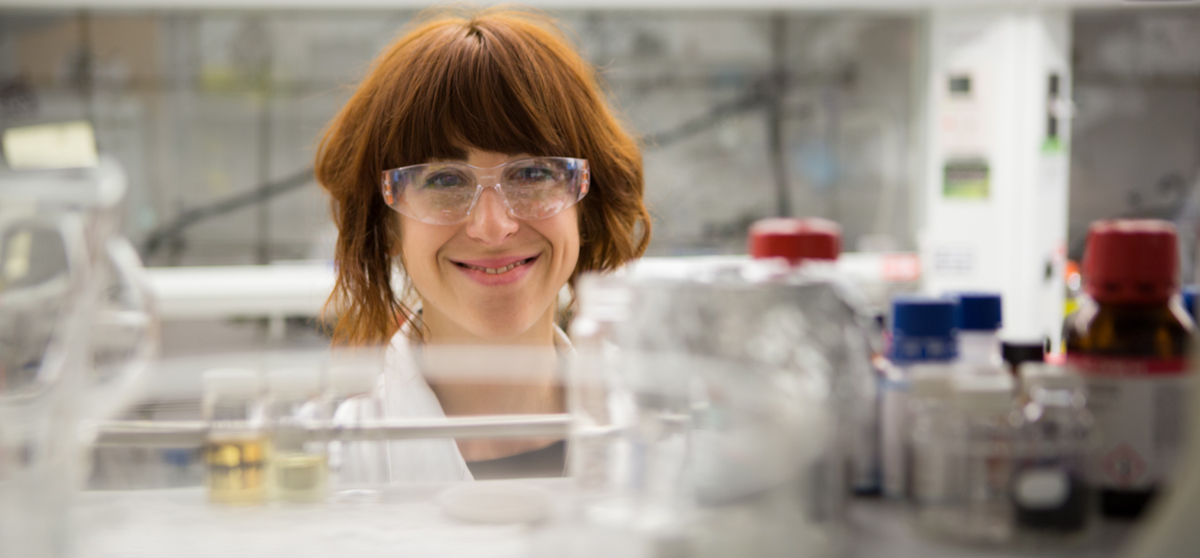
299 469
236 455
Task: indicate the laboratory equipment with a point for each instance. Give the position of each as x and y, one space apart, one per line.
299 467
933 479
812 247
360 468
236 450
1130 341
701 411
981 509
997 90
76 331
922 333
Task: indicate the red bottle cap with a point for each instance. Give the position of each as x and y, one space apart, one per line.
795 239
1131 261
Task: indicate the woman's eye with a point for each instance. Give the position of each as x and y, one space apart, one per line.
444 180
533 175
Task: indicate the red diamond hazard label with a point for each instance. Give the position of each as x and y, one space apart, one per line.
1123 465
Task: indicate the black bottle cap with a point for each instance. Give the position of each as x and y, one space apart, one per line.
1016 352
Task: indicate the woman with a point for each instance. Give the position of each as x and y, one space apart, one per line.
480 157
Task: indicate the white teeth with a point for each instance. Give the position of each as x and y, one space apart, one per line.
497 270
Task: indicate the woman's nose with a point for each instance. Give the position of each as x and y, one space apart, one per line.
490 221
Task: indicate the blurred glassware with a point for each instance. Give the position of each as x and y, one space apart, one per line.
298 466
1050 491
78 330
812 246
360 469
702 411
236 452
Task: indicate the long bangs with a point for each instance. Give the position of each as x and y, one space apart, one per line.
498 84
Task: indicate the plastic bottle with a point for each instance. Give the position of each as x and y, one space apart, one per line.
299 465
982 456
236 450
979 321
932 427
1129 341
922 333
1050 491
361 467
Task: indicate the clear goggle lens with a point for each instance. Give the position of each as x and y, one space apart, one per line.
445 193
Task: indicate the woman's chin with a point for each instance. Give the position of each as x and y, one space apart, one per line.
501 331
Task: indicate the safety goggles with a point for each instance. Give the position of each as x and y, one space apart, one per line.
445 193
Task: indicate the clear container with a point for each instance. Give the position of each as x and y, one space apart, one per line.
701 416
932 422
236 452
982 455
360 468
1050 491
299 464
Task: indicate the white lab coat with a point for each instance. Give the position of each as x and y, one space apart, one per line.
407 395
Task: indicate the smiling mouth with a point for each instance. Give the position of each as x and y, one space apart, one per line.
496 270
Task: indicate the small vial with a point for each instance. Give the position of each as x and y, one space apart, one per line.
983 457
361 467
1050 491
978 319
236 450
299 464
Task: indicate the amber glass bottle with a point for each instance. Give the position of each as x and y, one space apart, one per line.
1130 341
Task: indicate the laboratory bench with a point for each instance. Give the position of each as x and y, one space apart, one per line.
410 522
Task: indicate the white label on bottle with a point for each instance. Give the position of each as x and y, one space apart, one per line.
1140 418
1042 488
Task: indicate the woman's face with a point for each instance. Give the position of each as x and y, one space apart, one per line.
465 273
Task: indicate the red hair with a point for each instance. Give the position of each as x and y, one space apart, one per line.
497 80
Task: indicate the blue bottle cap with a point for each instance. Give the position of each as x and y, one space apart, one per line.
923 328
979 311
1189 300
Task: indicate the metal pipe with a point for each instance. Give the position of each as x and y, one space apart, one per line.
176 434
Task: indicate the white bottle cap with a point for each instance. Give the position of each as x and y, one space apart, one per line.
987 394
931 381
352 379
241 383
293 383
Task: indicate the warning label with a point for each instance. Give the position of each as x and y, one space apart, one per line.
1137 405
1123 466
